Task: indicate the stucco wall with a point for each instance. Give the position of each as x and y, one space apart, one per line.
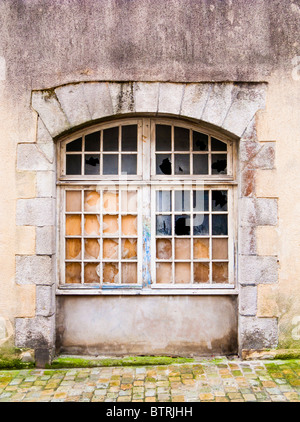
46 44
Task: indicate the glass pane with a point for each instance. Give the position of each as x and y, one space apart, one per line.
73 272
200 141
92 164
163 272
219 163
182 249
163 164
163 200
201 272
110 201
128 163
217 145
182 225
73 225
73 201
163 248
182 164
73 248
73 164
181 139
91 248
129 248
129 272
201 248
91 273
91 225
91 201
163 138
182 272
163 225
110 272
74 145
110 164
129 201
219 249
220 272
219 200
182 200
129 225
110 224
92 142
129 138
219 224
111 139
110 249
200 163
200 224
200 200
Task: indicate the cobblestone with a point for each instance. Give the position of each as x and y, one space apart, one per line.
207 380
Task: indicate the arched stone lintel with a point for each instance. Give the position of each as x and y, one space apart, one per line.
228 106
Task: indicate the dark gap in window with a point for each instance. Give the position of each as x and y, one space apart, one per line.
74 145
163 137
181 139
217 145
92 142
219 163
73 164
219 200
129 138
200 141
111 139
182 225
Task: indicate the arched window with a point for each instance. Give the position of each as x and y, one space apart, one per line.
146 203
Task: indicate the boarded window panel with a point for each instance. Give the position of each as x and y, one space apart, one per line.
110 272
73 225
91 225
91 273
110 224
163 248
73 272
163 272
111 201
73 249
182 272
129 248
73 201
129 273
220 249
201 248
129 201
220 272
163 137
73 164
182 249
110 249
201 272
91 248
91 201
129 225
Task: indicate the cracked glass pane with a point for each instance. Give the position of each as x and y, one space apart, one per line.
92 164
91 201
182 225
219 164
91 248
110 272
200 141
182 164
110 224
163 164
163 225
129 248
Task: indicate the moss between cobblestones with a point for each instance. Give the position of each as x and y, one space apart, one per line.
79 362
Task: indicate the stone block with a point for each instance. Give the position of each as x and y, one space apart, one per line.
248 300
25 301
266 212
45 184
265 157
98 99
194 100
267 240
73 103
247 240
266 184
36 333
25 184
146 97
248 182
267 301
45 240
25 240
247 211
122 97
35 212
258 333
32 157
34 270
218 103
43 136
45 300
170 97
257 269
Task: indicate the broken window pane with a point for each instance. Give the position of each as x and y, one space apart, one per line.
163 164
182 249
219 200
91 273
219 164
129 248
163 272
200 163
219 224
128 163
182 200
111 201
73 248
220 272
110 224
91 248
201 272
110 248
91 225
73 201
92 142
182 272
163 225
73 164
92 164
129 138
200 141
200 200
182 164
219 249
163 248
182 225
129 225
163 200
110 164
181 139
110 272
163 138
129 201
91 201
217 145
73 225
200 224
111 139
74 145
73 272
201 248
129 272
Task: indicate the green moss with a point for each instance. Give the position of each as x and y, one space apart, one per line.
74 362
10 358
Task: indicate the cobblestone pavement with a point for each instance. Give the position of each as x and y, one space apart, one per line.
217 380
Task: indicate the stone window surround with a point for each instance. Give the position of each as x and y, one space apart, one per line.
228 107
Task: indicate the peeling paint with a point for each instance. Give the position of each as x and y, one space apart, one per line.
146 254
